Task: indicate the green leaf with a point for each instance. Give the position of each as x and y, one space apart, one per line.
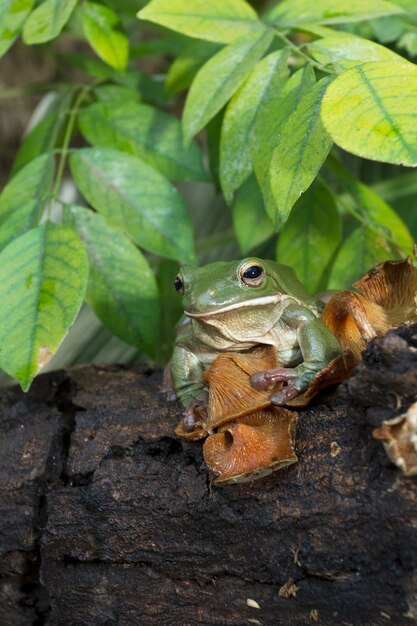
370 110
345 50
214 20
111 93
147 132
103 32
12 16
122 289
134 197
251 224
45 136
47 20
311 236
264 82
359 253
186 65
43 276
301 150
23 199
293 12
267 128
219 78
171 310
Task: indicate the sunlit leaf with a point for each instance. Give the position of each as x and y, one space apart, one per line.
43 276
252 99
311 236
103 32
187 63
251 224
292 12
47 20
219 78
136 198
371 111
302 147
122 289
215 20
345 50
146 132
12 16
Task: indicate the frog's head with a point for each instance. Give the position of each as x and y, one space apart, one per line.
226 286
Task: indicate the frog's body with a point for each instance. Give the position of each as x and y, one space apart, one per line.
234 306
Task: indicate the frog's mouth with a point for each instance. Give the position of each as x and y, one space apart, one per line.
239 305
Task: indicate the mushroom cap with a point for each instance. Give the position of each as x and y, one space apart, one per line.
399 436
231 394
252 446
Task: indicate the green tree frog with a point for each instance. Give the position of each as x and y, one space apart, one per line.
236 305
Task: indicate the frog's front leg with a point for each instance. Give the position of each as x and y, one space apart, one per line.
188 380
318 347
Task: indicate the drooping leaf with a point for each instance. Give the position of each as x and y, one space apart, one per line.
214 20
103 32
171 310
311 236
12 16
359 253
251 224
122 289
186 65
47 20
219 78
149 133
346 51
293 12
264 82
43 276
136 198
45 136
370 110
302 147
23 199
267 128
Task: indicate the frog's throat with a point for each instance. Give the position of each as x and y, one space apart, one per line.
262 301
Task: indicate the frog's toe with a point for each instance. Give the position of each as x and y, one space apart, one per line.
284 395
263 380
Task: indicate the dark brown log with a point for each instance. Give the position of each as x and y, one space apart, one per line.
106 517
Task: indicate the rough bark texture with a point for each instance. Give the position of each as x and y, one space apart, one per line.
107 518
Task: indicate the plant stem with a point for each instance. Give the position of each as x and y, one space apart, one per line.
65 144
302 54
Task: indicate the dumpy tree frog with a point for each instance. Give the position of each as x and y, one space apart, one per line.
236 305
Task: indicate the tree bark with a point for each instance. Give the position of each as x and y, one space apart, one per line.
106 517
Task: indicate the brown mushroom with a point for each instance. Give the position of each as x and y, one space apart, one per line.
252 446
399 436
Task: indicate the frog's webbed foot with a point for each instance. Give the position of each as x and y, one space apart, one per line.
284 395
193 424
296 379
268 378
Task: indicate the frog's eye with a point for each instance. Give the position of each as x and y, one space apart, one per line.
178 284
252 274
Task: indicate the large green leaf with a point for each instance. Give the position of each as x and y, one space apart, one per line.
251 224
122 289
252 99
23 199
359 253
136 198
145 131
219 78
346 51
267 128
371 111
293 12
47 20
311 237
215 20
187 63
103 32
301 149
12 16
171 310
43 276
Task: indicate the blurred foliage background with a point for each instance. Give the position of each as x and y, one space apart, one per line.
90 73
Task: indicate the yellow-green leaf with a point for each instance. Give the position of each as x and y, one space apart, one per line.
293 12
103 32
219 78
251 224
12 16
43 277
47 20
214 20
371 111
346 51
